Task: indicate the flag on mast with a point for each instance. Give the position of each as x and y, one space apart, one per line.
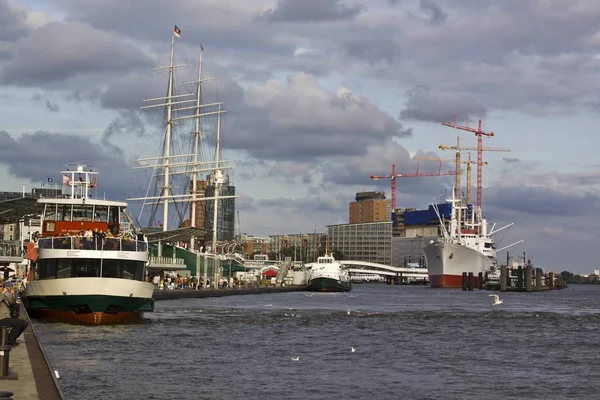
201 47
176 31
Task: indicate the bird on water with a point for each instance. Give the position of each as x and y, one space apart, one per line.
497 300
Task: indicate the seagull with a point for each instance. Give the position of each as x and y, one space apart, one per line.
309 295
348 312
269 305
497 300
294 358
353 350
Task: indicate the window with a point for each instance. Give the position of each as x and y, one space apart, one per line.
114 215
101 214
50 214
83 213
64 213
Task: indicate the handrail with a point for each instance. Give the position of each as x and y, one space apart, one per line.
87 243
10 248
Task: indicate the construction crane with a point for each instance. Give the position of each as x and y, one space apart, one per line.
416 174
458 161
479 162
480 134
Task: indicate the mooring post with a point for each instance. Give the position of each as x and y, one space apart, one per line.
4 352
471 281
464 281
520 277
528 278
503 278
480 281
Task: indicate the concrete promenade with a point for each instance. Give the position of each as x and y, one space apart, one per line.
204 293
35 376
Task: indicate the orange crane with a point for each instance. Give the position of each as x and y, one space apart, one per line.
479 162
479 133
394 176
458 161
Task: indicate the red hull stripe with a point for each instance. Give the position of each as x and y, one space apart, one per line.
449 281
94 318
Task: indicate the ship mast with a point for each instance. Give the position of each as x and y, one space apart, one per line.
218 180
168 138
196 149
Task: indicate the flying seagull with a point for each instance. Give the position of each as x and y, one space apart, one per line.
353 349
497 300
294 358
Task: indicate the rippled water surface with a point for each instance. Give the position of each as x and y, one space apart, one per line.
411 343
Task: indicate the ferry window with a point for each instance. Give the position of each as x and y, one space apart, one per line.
64 268
64 213
111 268
113 215
88 213
47 269
50 214
78 213
133 270
101 214
82 213
87 268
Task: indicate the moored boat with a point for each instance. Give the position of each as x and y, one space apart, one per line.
328 275
89 266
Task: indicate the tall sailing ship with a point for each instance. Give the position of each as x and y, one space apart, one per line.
176 173
89 264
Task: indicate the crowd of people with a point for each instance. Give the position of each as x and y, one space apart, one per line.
176 281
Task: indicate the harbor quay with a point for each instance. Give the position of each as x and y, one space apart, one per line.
25 372
205 293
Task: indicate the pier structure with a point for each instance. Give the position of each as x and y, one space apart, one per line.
29 374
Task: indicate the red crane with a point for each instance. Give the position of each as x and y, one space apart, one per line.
479 133
394 176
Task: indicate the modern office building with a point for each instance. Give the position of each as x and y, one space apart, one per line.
370 242
225 210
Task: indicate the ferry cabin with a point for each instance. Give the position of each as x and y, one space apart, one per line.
64 253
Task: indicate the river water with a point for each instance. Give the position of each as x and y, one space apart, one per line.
410 342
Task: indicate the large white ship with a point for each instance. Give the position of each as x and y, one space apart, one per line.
462 247
89 267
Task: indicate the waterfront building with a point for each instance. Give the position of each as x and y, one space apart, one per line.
369 207
308 246
370 242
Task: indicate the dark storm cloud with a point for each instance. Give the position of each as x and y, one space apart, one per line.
312 11
12 22
57 52
302 121
51 151
126 123
425 105
542 201
434 12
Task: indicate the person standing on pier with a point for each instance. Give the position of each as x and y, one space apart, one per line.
9 314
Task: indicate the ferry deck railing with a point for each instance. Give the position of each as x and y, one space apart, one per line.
87 243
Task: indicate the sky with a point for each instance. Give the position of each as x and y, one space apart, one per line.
320 94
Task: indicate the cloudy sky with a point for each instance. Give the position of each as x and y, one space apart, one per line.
319 95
